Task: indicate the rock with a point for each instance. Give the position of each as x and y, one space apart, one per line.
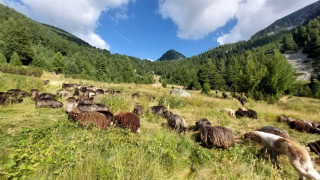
180 92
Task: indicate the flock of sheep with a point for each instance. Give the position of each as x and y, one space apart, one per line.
81 108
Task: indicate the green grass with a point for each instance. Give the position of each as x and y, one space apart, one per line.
44 144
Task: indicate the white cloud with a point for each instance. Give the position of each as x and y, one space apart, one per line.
196 19
79 17
255 15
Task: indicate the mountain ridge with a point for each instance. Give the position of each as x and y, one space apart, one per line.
171 55
292 20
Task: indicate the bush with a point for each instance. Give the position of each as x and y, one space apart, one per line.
164 83
2 59
195 85
26 71
206 88
172 101
302 90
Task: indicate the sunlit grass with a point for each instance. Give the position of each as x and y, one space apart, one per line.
44 144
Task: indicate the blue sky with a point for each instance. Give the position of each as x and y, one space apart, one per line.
146 35
148 28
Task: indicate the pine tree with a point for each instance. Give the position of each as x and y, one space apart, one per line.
17 37
126 70
101 68
278 77
2 59
58 63
288 44
15 59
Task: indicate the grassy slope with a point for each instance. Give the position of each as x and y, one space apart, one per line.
42 143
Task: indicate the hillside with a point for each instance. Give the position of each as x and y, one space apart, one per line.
58 51
43 143
68 36
292 20
171 55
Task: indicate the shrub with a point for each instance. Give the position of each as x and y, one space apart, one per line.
195 85
206 88
164 83
15 59
26 71
2 59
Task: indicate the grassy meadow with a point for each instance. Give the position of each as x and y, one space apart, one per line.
44 144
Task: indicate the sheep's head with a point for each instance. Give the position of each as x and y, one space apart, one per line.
167 114
202 123
74 113
254 136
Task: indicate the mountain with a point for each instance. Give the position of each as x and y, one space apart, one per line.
292 20
171 55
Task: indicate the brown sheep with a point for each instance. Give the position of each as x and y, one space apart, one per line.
314 147
275 131
302 126
86 118
109 116
176 122
18 93
138 110
217 136
243 99
242 112
283 119
34 93
299 125
224 95
49 103
71 104
6 98
128 120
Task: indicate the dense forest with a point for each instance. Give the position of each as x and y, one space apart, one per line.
255 67
55 50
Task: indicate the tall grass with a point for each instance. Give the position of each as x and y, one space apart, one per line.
44 144
117 103
10 81
171 101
